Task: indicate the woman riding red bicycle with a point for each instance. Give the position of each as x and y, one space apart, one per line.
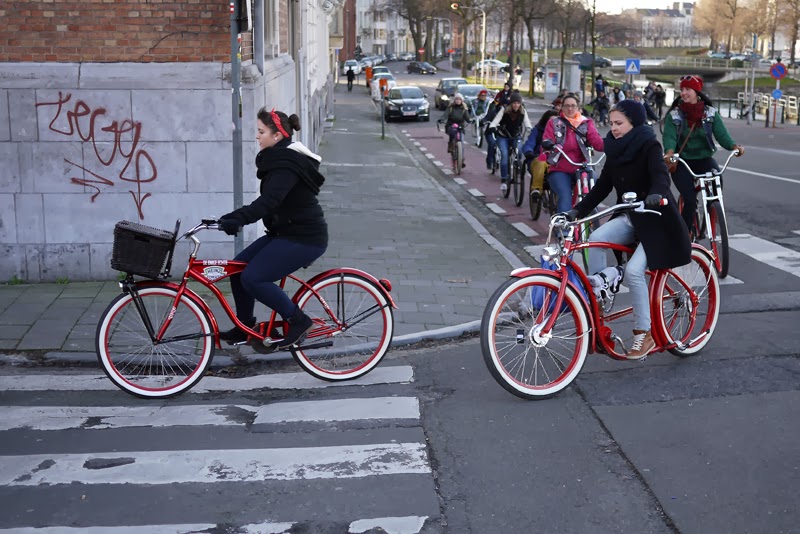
635 164
297 233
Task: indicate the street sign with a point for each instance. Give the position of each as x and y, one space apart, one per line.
421 50
633 66
777 94
778 71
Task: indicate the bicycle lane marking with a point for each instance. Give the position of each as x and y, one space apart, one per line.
767 252
479 182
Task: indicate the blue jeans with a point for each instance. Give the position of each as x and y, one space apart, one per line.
504 143
491 141
561 184
619 230
268 260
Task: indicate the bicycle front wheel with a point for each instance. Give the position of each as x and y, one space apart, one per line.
458 157
718 235
534 203
356 339
688 307
136 364
517 183
526 361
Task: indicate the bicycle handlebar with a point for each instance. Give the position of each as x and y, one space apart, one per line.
561 221
589 163
709 174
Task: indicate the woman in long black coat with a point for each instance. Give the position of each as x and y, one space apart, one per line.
635 164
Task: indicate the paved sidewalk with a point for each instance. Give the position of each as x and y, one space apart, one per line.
386 215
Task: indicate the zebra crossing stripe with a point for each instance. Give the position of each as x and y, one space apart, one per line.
210 466
72 382
767 252
110 417
391 525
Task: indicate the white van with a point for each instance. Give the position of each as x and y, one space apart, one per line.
351 63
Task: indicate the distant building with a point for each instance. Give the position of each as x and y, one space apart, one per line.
665 27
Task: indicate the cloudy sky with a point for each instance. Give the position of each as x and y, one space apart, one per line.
615 6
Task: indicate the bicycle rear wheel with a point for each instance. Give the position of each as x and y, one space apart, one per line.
688 307
517 182
718 235
458 156
145 369
496 163
535 204
519 357
359 337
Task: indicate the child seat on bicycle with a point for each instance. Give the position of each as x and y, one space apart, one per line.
634 164
574 133
297 233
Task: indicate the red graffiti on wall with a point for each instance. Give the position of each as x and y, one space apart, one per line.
137 161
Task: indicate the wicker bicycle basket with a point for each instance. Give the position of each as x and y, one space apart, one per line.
141 250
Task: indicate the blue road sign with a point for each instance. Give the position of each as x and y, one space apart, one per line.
778 71
777 94
633 66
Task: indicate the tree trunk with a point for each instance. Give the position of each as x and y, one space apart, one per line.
464 49
563 58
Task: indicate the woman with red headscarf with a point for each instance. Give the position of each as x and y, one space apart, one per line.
691 127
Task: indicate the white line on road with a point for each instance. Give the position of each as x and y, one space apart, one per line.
438 163
495 208
390 525
796 232
475 193
208 466
460 181
330 164
526 230
109 417
423 149
767 252
66 382
430 156
770 176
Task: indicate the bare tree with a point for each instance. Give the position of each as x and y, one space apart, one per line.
790 13
569 16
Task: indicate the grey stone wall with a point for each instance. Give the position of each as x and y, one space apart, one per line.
83 146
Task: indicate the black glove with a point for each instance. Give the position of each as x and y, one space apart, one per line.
229 225
570 215
491 131
528 155
653 200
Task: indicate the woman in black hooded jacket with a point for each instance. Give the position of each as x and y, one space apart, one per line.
297 233
634 164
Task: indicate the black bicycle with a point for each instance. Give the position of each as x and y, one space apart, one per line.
516 171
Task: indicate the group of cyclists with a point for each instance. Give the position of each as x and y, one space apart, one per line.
636 162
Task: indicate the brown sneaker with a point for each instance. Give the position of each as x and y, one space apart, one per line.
642 344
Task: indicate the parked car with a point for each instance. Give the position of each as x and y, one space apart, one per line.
445 91
420 67
391 57
351 63
406 56
490 64
470 92
407 102
719 55
585 59
375 85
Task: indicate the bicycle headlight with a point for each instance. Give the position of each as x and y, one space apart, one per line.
549 253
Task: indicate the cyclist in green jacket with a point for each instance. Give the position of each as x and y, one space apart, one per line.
692 115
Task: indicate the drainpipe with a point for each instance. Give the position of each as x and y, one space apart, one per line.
258 35
302 78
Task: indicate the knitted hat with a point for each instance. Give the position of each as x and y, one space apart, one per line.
692 82
458 95
633 110
516 97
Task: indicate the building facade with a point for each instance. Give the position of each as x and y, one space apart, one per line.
125 113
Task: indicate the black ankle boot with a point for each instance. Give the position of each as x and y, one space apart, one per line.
234 335
299 326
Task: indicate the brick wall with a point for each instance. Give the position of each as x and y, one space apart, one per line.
116 31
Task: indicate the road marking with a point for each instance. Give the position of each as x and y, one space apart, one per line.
417 143
495 208
438 163
796 232
260 528
404 131
429 155
390 525
767 252
771 176
475 193
448 172
423 149
208 466
460 181
110 417
397 374
526 230
330 164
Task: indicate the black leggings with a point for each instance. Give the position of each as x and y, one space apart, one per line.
685 184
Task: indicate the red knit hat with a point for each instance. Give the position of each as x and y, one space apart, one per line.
692 82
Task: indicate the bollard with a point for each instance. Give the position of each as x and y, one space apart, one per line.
730 102
783 114
383 117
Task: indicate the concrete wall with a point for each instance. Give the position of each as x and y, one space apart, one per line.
85 145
